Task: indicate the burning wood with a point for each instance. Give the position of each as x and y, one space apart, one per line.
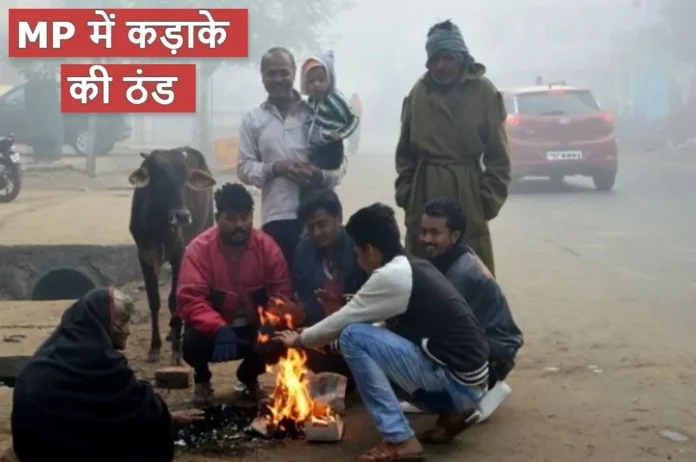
291 404
223 431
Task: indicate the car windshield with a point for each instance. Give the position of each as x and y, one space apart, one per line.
557 103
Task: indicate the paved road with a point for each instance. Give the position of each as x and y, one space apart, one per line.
644 229
603 285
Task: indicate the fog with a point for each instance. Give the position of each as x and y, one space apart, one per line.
592 239
380 52
617 49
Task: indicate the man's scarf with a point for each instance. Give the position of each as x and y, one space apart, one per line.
446 36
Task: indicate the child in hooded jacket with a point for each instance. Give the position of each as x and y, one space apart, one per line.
334 119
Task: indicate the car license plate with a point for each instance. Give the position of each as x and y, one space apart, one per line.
14 157
564 155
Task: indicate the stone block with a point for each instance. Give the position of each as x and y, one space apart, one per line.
172 378
320 431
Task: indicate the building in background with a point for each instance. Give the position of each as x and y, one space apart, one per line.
574 41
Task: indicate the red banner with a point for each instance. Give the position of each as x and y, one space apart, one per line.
128 33
124 88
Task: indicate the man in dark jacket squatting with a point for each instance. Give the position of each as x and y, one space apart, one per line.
442 226
325 272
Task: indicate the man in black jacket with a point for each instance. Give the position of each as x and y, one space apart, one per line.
442 226
431 348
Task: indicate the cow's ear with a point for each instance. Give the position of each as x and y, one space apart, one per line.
144 155
139 178
200 180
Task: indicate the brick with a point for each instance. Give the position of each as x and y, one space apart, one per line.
172 378
324 432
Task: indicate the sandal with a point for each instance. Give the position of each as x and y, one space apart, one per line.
386 452
447 429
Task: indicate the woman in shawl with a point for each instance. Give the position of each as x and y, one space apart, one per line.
78 400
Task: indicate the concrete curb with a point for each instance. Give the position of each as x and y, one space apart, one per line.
22 267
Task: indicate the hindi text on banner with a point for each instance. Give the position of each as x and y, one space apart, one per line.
134 88
86 89
107 23
163 94
134 33
173 38
211 32
142 34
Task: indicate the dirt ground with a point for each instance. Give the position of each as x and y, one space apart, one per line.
600 377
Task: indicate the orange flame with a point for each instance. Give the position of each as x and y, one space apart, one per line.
274 320
291 398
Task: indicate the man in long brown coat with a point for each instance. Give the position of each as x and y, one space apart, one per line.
453 142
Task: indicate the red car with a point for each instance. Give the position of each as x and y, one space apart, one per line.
558 131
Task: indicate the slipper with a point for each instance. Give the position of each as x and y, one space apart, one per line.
446 430
385 452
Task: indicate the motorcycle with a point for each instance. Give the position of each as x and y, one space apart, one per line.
10 170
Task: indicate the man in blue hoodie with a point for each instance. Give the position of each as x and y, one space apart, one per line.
334 119
325 272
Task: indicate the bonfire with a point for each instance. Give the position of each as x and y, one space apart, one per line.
291 404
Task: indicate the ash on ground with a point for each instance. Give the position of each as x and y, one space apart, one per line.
225 430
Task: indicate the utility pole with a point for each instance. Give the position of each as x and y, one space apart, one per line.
92 145
92 130
203 120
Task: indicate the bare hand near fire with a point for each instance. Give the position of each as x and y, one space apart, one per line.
292 307
289 338
187 416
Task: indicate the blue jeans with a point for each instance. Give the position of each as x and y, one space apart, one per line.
381 360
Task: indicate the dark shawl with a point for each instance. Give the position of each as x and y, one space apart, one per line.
78 399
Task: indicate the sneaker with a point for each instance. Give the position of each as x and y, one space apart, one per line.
408 408
492 400
203 395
